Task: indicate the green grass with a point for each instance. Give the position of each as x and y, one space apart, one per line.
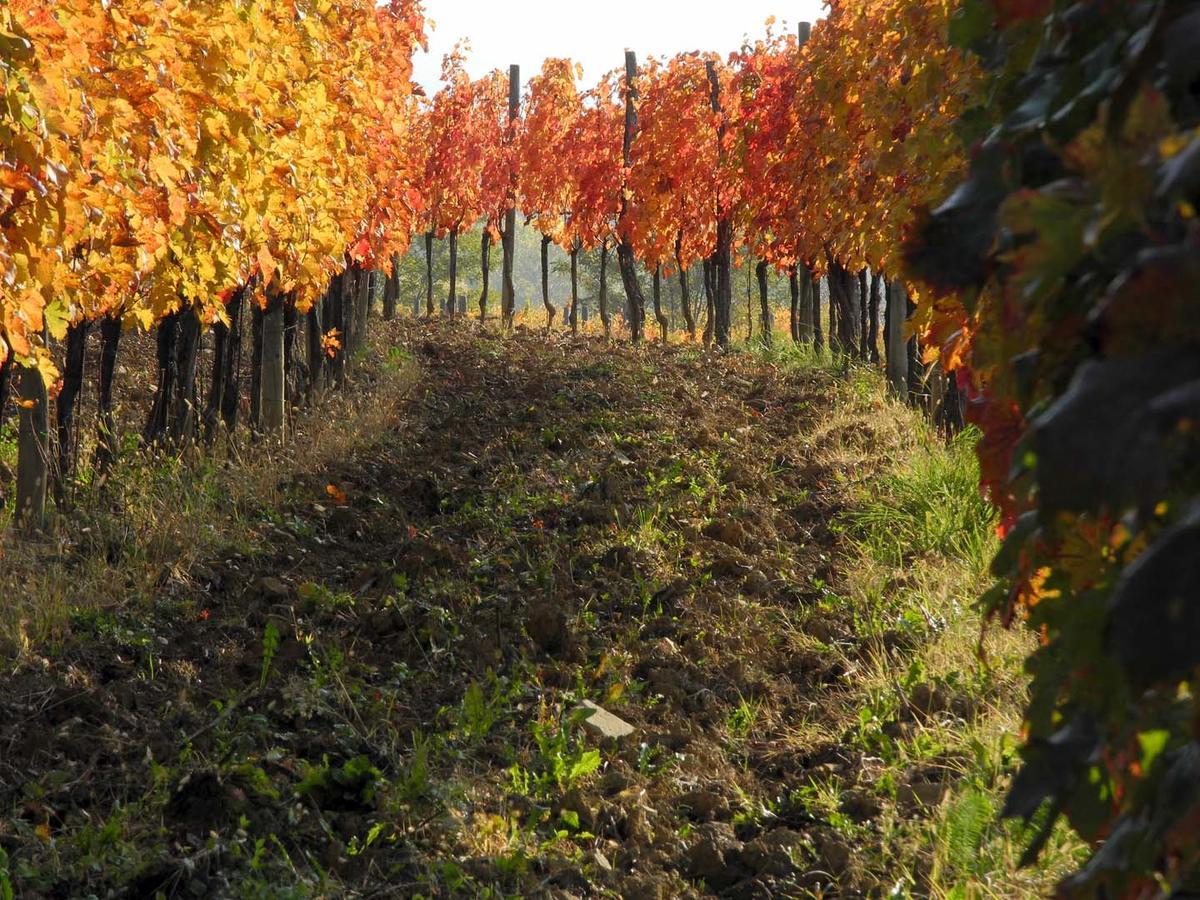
929 505
926 538
921 538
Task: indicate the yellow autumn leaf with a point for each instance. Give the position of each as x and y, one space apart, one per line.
164 168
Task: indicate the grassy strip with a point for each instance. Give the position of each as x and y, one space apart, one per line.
920 543
158 514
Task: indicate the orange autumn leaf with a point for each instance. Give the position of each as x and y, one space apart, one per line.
331 342
15 181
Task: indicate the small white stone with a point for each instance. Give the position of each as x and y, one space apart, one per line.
604 724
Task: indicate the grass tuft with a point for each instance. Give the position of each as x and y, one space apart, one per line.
930 505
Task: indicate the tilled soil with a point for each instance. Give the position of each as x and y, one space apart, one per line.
379 702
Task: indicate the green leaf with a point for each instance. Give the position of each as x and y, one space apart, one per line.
6 888
971 24
1153 743
57 318
585 765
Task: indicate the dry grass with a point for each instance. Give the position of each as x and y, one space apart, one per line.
157 515
534 318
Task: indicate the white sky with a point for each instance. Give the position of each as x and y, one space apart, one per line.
502 32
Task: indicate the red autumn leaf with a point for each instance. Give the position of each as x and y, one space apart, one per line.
360 250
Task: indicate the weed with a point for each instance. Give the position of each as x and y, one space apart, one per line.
966 822
930 505
398 359
355 782
6 888
559 763
356 847
653 759
741 718
481 710
317 599
270 645
472 806
413 784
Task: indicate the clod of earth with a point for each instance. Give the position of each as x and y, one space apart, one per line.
546 624
272 590
716 855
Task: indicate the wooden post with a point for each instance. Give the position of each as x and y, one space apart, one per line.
808 326
453 292
33 451
274 393
346 322
803 293
722 262
332 319
817 335
804 314
316 351
710 293
762 272
749 305
160 413
833 278
6 368
429 235
182 426
485 267
625 258
362 307
391 290
918 387
794 311
291 361
575 248
256 347
897 351
873 329
605 319
216 383
110 336
72 385
545 261
864 315
350 292
508 290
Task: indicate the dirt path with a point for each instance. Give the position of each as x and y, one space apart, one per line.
380 702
